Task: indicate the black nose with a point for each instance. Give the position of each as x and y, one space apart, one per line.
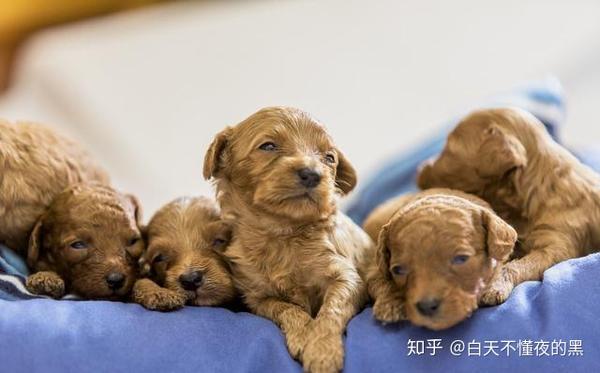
309 178
428 306
191 280
115 280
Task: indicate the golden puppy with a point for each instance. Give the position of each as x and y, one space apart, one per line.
183 258
88 243
506 157
436 253
295 257
36 164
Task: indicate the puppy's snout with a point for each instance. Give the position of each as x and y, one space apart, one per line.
191 280
309 177
115 280
428 306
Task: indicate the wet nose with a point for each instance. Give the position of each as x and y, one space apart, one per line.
309 177
191 280
115 280
428 306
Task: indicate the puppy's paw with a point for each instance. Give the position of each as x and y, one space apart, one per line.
325 354
46 283
296 334
497 291
156 298
388 310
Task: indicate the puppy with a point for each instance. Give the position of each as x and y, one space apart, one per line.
36 164
87 243
506 157
437 250
183 258
297 260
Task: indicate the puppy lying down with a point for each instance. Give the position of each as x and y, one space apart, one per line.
437 251
506 157
183 259
296 259
87 242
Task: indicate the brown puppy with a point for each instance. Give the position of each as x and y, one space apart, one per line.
295 257
436 252
36 164
88 243
506 157
185 240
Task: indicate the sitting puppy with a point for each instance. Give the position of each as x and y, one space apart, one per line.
36 164
296 259
436 252
87 243
506 157
183 257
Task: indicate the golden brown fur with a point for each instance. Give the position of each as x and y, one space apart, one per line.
506 157
36 164
88 243
422 241
183 259
295 258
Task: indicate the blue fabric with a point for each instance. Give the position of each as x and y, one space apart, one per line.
42 335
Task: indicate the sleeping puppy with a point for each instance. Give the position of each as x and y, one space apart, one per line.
297 260
36 164
437 251
506 157
183 258
87 243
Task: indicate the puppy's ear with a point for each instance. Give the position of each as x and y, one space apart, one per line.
137 209
425 174
500 236
382 255
213 160
499 153
35 243
220 233
345 175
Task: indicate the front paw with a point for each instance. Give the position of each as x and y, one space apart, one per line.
324 353
46 283
389 310
296 333
156 298
497 291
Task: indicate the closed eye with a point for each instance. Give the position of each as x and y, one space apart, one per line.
460 259
399 270
268 146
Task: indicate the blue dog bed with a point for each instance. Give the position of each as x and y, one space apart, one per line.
544 326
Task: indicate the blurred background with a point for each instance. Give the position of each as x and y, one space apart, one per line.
146 84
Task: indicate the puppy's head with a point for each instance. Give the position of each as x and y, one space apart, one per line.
90 235
485 148
185 241
442 250
281 161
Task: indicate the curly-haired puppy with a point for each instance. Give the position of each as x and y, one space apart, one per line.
295 257
36 164
437 251
183 259
506 157
87 243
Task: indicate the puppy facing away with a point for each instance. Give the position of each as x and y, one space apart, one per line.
36 164
88 243
183 259
437 251
297 260
506 157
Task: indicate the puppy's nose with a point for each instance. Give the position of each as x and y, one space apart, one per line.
115 280
428 306
309 177
191 280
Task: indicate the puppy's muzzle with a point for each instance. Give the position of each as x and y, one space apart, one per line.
309 177
115 280
428 307
191 280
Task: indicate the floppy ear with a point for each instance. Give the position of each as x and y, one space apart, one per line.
424 174
382 255
137 209
345 175
213 160
499 153
500 236
35 243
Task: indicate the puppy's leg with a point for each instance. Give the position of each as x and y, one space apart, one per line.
388 306
46 283
150 295
291 319
324 350
548 247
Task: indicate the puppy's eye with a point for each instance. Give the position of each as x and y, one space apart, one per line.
399 270
78 245
460 259
219 242
268 146
133 241
159 258
330 158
